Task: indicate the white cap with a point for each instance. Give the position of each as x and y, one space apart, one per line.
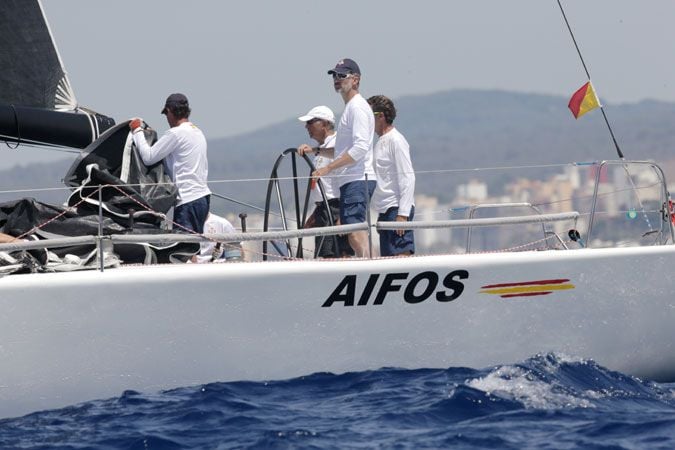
319 112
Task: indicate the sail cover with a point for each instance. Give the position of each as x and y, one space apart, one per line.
113 160
38 80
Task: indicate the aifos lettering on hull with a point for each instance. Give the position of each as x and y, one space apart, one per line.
415 290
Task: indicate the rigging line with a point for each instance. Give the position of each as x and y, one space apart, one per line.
65 211
40 146
600 195
238 202
300 177
438 171
257 208
16 191
588 75
18 130
637 196
583 63
479 169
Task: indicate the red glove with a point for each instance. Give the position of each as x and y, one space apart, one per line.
135 124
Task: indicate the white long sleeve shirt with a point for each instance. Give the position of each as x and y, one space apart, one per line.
183 149
355 136
395 176
327 182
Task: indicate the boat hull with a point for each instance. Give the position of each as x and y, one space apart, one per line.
71 337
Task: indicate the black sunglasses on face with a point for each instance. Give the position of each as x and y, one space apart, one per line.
341 76
311 121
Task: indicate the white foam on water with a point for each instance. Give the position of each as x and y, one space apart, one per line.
518 384
563 358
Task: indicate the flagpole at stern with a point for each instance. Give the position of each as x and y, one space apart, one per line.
588 75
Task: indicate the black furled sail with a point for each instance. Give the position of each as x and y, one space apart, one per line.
37 103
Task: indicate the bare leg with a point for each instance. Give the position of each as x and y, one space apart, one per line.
358 240
6 238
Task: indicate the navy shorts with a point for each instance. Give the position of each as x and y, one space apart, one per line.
325 245
354 197
192 215
391 244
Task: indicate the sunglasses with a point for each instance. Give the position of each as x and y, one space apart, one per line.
341 76
311 121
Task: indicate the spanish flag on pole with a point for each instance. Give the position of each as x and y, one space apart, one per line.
583 100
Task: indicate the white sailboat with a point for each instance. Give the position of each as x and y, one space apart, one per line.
155 326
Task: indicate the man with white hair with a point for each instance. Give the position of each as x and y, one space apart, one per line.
320 125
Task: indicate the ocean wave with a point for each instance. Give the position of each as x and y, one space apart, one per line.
526 404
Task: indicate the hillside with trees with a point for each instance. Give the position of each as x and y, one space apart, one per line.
461 129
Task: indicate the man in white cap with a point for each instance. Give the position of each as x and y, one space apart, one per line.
183 149
353 163
320 125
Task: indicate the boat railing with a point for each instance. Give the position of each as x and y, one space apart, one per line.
160 238
653 208
666 218
237 237
166 238
19 245
479 222
474 208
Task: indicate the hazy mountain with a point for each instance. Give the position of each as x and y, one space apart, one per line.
447 130
468 129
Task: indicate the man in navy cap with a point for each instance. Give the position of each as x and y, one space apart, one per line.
352 168
183 149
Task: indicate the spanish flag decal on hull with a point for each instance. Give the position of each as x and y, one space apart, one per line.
527 288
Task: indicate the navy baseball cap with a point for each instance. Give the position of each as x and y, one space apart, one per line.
173 101
345 66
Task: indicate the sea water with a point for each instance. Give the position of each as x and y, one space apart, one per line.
548 401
